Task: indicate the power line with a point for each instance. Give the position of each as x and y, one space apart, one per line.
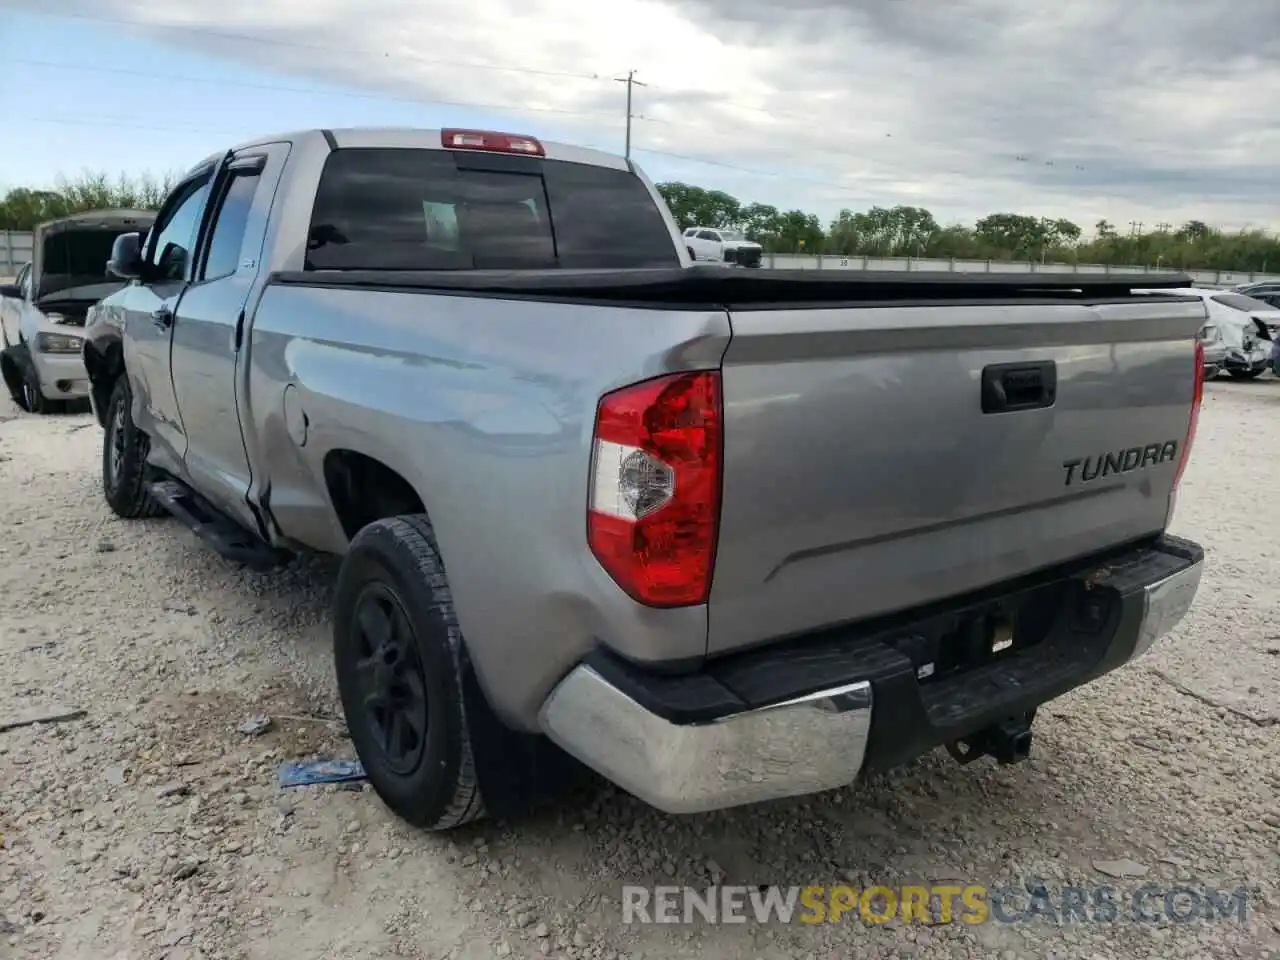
297 44
275 41
716 99
631 81
749 170
100 121
860 155
127 124
123 71
843 189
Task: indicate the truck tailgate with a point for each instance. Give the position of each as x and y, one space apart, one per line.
863 476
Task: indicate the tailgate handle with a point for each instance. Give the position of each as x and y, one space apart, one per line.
1008 387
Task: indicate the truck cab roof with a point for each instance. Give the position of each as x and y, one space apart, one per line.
415 138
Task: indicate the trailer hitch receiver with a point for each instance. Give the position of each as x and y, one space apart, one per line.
1008 741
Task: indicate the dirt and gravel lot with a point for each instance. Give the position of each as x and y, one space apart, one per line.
151 827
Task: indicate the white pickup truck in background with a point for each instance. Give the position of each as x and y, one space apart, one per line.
722 245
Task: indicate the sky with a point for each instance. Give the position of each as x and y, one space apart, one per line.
1136 111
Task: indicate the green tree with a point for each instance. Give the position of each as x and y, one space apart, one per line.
697 207
22 208
887 232
761 223
798 232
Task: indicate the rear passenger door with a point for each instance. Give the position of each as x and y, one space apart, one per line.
208 329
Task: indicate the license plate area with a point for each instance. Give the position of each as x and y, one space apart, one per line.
949 646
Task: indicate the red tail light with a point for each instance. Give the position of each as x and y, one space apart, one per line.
1197 397
654 504
491 142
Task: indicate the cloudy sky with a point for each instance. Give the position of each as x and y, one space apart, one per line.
1132 110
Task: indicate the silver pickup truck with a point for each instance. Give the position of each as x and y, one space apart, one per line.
722 536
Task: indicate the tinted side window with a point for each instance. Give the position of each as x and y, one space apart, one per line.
223 257
407 209
606 219
172 241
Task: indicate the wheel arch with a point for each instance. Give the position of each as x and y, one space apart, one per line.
363 488
104 364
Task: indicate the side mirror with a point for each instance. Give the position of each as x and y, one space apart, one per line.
126 257
11 290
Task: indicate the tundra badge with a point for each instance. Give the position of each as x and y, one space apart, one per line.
1119 461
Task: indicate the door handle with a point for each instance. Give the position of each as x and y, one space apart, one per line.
1008 387
162 317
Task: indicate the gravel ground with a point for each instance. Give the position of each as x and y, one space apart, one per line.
152 827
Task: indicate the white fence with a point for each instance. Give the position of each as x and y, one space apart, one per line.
15 250
788 261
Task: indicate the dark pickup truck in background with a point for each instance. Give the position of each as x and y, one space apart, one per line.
723 536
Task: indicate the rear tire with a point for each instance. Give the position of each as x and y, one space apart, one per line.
401 667
692 255
469 765
1244 374
124 458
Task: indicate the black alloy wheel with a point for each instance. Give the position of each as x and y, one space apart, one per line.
390 684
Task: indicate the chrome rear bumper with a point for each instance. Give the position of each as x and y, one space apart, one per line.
805 745
1165 603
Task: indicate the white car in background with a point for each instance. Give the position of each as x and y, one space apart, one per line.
722 245
1246 327
42 314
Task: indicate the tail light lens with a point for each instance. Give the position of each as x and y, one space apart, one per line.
1197 396
654 504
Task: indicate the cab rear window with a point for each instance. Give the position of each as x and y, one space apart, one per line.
417 209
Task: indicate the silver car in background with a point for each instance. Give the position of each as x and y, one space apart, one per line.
1238 332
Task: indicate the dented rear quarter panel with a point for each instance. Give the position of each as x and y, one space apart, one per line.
487 407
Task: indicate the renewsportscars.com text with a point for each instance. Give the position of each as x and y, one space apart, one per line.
941 903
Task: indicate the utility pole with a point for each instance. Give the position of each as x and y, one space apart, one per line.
1135 228
1163 227
631 81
